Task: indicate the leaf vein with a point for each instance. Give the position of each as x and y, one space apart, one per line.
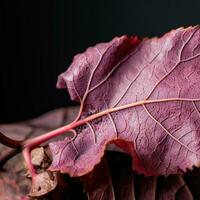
174 138
175 66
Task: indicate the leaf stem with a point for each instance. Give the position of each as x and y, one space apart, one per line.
27 158
8 156
45 137
10 142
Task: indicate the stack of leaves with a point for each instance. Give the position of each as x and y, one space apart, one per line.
141 95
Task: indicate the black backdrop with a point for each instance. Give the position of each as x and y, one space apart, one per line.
40 38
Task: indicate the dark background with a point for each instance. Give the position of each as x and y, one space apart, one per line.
40 39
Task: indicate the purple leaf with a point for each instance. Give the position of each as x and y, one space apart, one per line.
143 95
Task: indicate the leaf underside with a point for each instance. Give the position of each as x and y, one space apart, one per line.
147 94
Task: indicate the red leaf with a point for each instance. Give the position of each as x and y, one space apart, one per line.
146 94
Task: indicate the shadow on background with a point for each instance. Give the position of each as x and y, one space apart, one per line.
40 39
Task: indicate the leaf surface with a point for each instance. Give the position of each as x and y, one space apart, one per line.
143 95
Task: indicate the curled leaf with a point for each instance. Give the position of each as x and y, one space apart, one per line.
38 156
43 183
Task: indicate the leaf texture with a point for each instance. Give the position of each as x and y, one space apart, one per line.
143 95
